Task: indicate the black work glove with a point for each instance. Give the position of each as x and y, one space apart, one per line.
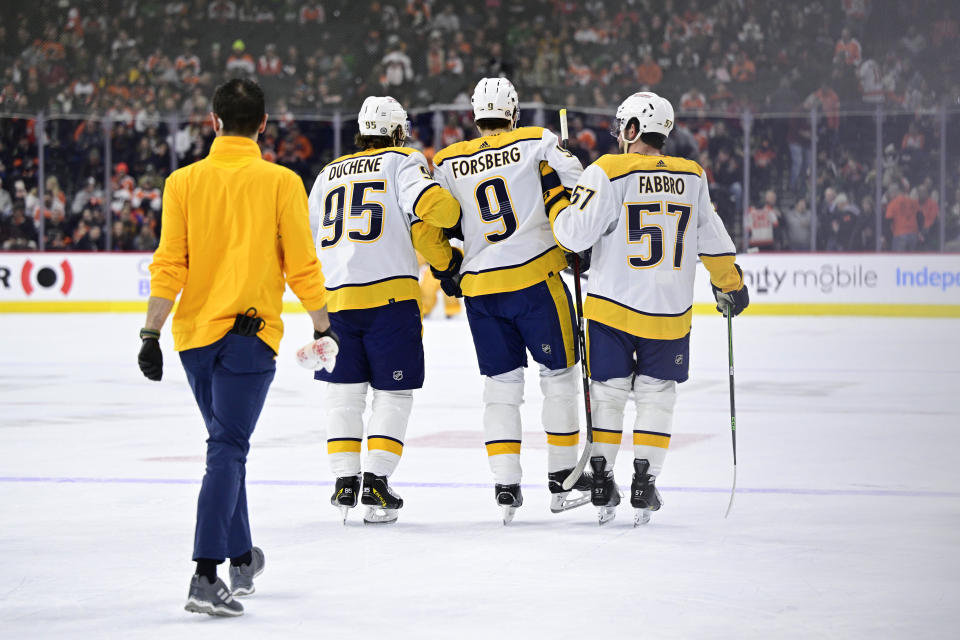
450 277
327 333
737 300
585 257
150 358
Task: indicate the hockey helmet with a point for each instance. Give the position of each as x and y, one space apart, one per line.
495 98
382 116
652 113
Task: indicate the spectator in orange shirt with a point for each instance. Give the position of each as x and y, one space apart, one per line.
847 50
743 69
649 73
269 64
240 62
904 214
693 100
913 139
930 211
829 102
297 144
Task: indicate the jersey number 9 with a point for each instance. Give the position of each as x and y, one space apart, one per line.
640 229
333 206
504 212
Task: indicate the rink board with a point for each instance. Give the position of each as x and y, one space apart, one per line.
780 284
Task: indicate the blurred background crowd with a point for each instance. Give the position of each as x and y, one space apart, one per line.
824 124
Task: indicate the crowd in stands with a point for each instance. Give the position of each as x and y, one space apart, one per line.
146 69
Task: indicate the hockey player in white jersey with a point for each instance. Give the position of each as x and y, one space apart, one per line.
647 217
368 209
510 277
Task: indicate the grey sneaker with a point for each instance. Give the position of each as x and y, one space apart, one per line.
211 598
241 578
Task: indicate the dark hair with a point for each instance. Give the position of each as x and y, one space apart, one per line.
491 124
239 103
376 142
655 140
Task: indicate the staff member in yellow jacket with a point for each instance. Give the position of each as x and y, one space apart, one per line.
235 228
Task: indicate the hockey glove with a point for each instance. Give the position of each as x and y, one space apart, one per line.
321 353
555 196
455 232
450 277
737 300
150 358
585 256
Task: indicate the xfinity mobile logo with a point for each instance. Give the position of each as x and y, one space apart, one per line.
828 278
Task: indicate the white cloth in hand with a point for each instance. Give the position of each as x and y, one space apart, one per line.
318 354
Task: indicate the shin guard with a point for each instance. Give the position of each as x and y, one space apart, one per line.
345 405
501 426
651 432
608 398
560 420
387 430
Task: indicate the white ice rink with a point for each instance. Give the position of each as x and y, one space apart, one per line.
846 522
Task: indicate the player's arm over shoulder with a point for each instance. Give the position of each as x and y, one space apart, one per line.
589 212
420 194
566 164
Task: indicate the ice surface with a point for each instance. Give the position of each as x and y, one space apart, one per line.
846 523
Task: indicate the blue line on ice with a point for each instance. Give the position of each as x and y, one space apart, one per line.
900 493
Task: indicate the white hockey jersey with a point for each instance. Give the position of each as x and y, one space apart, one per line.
366 211
507 242
647 219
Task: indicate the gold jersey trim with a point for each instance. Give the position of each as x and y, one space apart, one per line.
637 323
487 143
373 294
620 165
514 277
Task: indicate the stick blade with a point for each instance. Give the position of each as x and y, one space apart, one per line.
733 491
571 479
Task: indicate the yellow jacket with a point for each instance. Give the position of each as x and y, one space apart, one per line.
235 227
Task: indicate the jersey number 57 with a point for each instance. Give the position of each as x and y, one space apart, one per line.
642 228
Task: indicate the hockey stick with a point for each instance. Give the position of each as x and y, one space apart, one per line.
733 407
571 479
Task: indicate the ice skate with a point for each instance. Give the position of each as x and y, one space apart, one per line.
241 576
560 500
345 494
604 493
644 496
382 503
509 497
212 598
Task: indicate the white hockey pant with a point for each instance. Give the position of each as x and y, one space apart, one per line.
386 430
560 389
502 397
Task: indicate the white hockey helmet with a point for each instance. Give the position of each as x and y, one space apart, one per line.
652 113
495 98
382 116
